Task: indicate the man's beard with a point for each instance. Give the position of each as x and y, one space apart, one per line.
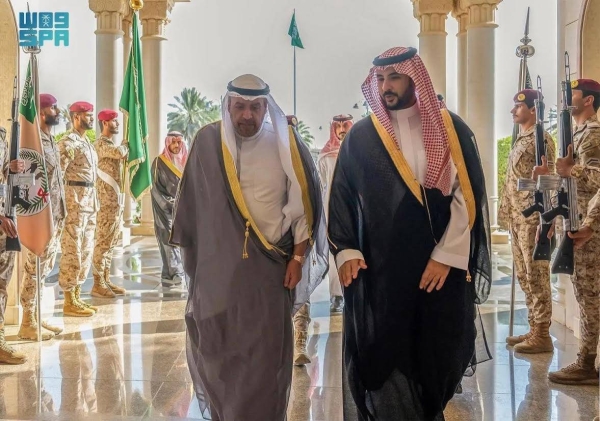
402 103
51 120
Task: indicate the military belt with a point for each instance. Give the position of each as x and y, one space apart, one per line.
80 184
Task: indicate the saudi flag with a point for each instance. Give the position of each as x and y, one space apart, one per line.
34 210
293 32
133 105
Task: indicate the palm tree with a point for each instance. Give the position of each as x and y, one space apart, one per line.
65 116
191 112
304 132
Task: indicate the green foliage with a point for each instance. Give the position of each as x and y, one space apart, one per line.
190 112
305 134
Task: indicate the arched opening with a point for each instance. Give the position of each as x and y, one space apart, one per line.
589 48
9 65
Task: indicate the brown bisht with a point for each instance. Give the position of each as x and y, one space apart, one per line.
239 315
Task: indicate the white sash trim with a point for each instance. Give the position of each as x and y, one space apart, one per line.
111 182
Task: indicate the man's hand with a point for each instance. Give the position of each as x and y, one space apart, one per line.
565 165
349 271
293 274
540 170
8 226
17 166
434 276
581 237
539 229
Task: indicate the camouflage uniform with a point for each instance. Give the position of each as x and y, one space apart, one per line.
79 162
586 142
57 200
7 258
533 276
111 209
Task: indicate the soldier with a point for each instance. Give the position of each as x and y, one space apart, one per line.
586 144
533 276
79 162
112 202
49 117
8 355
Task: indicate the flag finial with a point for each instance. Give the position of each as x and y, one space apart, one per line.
136 4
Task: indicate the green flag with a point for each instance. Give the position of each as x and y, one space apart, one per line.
133 105
293 32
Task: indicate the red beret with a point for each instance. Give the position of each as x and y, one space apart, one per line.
107 115
527 96
47 100
586 85
81 107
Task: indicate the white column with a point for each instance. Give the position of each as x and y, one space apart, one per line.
432 16
480 90
109 55
462 16
154 17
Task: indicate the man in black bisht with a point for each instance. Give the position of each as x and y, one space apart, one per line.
249 219
409 227
166 174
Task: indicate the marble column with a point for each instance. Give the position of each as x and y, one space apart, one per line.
461 14
480 90
154 17
432 15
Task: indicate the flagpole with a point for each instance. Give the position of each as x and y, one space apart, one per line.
295 80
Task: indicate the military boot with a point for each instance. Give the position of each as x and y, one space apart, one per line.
9 355
117 290
72 307
102 290
83 303
581 372
539 341
29 327
513 340
301 322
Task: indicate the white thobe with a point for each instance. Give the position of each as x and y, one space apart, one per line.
326 167
266 187
454 246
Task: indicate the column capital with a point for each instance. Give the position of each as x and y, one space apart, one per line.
109 15
460 12
432 15
482 13
155 17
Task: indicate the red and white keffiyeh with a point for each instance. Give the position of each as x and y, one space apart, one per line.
181 158
338 124
435 137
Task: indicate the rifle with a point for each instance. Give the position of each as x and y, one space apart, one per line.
541 199
566 188
16 182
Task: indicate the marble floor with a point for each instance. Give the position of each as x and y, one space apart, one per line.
128 362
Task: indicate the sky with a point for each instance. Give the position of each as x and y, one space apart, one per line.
210 42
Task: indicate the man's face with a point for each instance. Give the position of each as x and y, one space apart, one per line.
522 114
247 116
175 145
581 103
341 129
112 125
397 90
86 120
50 115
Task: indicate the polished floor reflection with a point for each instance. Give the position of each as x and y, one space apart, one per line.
128 362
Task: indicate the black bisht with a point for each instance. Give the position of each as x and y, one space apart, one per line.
390 325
